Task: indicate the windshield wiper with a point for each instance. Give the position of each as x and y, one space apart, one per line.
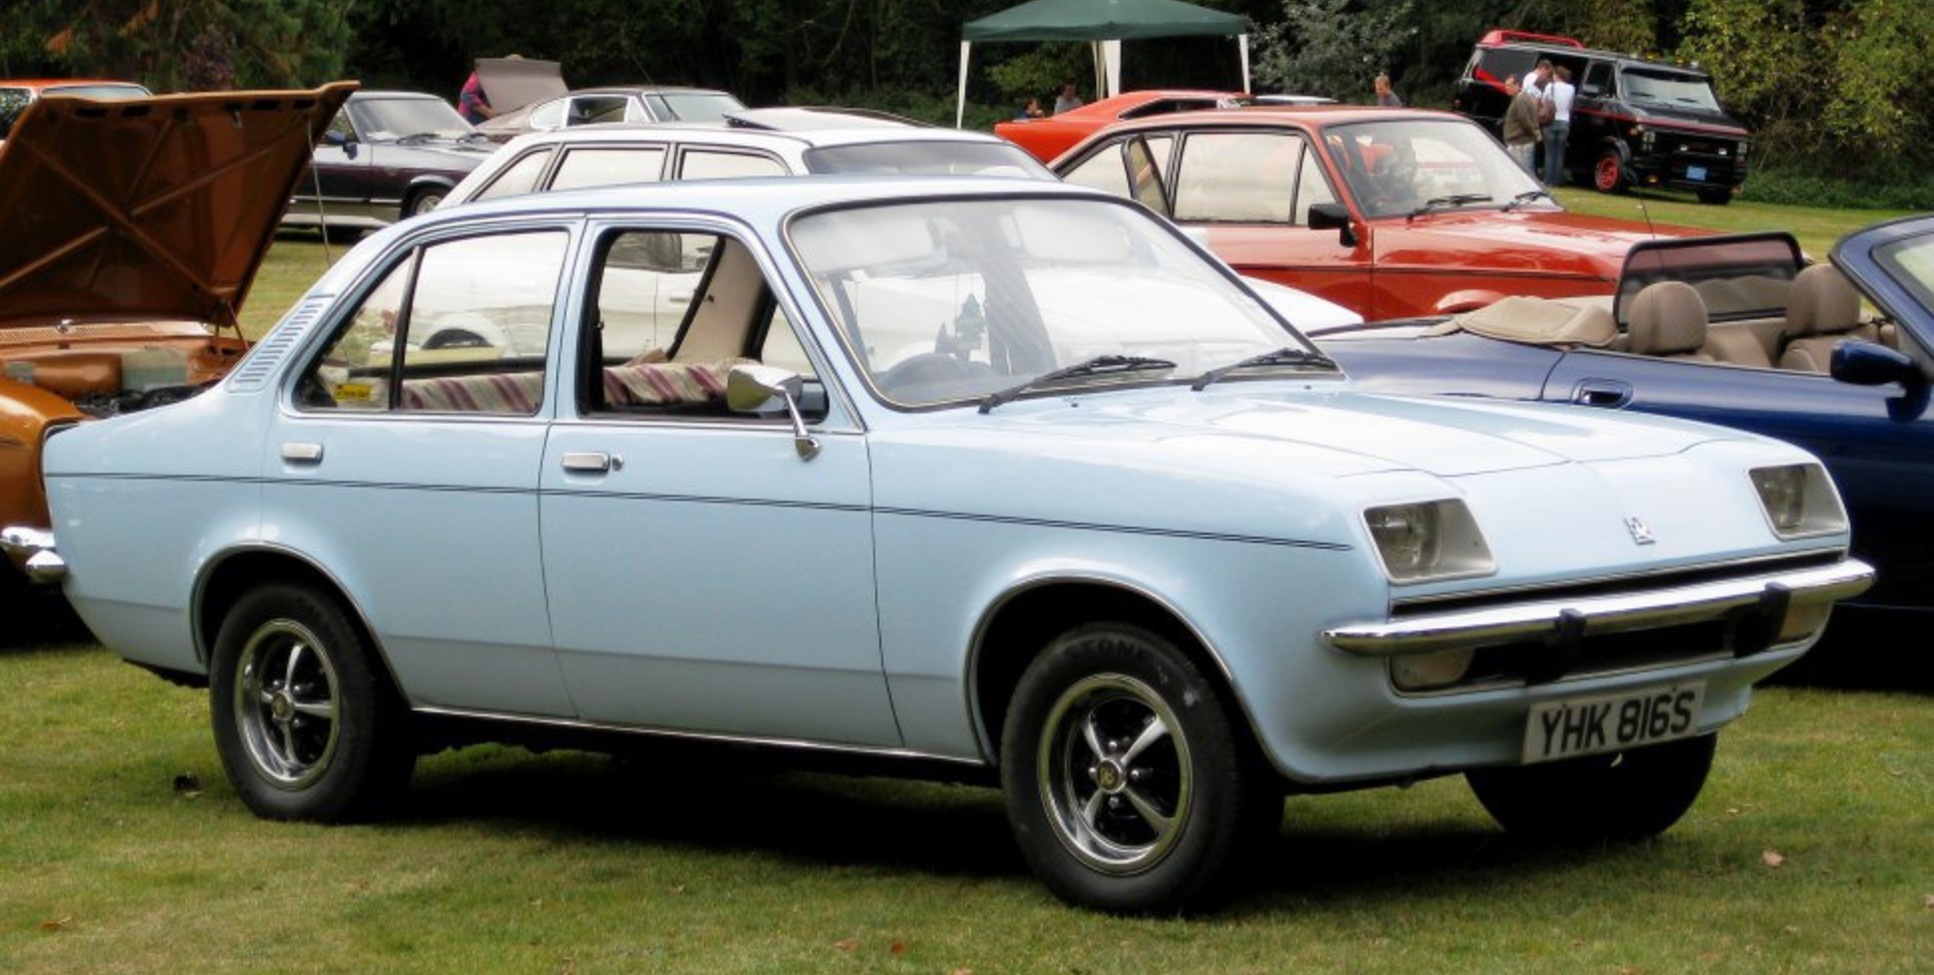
419 137
1455 200
1526 197
1286 356
1092 366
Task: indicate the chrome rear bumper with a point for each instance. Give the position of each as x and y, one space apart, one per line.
31 550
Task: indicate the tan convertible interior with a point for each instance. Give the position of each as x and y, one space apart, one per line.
1670 320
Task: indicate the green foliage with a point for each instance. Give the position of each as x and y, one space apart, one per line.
1331 48
1039 72
1802 187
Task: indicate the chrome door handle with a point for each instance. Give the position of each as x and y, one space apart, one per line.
592 462
302 453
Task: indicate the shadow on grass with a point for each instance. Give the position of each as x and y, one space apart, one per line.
946 830
38 620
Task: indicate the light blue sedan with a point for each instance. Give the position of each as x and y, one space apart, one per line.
1001 477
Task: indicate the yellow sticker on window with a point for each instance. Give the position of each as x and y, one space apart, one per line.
355 393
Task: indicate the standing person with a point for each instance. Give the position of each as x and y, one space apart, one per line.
471 103
1521 126
1069 101
1560 92
1385 97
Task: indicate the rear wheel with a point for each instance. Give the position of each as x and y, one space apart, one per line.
1608 174
307 726
1624 796
1130 784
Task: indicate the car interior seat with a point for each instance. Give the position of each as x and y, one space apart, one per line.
1823 311
1668 321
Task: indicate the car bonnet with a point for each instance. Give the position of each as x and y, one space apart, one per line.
151 208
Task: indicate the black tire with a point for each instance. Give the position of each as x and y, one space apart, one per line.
1608 173
423 201
306 724
1110 815
1624 796
1717 196
456 338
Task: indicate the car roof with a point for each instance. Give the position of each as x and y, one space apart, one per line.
721 134
43 84
639 90
1254 116
762 200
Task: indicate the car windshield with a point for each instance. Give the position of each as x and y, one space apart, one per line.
1670 88
1395 168
1738 277
927 158
699 106
1910 263
951 302
13 101
388 119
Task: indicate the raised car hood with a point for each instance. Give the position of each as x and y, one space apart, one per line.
151 208
512 83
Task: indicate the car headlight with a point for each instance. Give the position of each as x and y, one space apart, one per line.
1428 540
1799 500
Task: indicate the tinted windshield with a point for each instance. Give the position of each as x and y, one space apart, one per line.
1393 168
1670 89
946 302
385 119
698 106
934 158
1738 277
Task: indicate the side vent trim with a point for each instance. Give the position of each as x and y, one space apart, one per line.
253 373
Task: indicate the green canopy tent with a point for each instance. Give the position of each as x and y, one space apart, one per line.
1104 24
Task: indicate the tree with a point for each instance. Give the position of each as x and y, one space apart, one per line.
1331 47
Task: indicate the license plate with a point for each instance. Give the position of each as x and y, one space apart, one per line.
1611 722
1695 172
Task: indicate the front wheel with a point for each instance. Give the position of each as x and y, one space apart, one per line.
423 202
306 725
1608 174
1629 795
1130 785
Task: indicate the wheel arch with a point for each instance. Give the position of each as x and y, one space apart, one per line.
225 580
1017 627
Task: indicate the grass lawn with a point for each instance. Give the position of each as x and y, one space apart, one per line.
126 851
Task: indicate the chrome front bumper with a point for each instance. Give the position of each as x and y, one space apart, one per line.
1788 606
31 550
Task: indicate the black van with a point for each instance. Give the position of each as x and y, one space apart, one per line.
1634 122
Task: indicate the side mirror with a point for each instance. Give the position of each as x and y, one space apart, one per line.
748 387
1870 364
1333 216
335 137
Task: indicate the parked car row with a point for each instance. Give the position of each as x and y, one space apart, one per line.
1004 477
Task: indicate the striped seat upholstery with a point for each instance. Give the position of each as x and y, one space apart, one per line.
665 383
491 392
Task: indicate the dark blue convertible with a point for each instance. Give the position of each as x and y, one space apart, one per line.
1740 331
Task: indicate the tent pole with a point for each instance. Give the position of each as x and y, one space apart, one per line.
960 99
1242 49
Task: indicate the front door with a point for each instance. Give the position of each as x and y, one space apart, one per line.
704 576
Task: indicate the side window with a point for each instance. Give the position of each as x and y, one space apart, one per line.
594 109
1237 177
518 178
1598 81
340 125
607 166
460 327
675 312
1147 158
1312 187
704 164
1102 171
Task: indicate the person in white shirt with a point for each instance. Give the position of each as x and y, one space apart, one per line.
1560 92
